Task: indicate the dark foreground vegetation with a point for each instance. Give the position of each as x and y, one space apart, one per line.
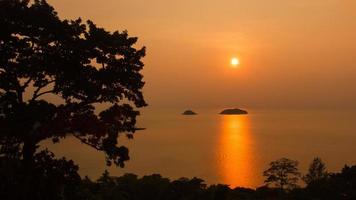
341 185
53 184
59 179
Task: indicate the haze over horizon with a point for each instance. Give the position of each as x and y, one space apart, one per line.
298 54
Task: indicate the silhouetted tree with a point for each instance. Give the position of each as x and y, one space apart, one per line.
189 188
240 193
283 173
51 178
341 185
316 172
217 192
53 72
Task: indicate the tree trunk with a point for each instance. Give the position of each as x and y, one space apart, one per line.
28 151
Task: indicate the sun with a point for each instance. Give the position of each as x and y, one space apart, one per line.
235 62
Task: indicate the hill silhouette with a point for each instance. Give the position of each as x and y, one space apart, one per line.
233 111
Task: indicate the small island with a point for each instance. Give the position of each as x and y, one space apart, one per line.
234 111
189 112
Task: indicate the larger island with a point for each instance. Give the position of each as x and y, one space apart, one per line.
233 111
189 112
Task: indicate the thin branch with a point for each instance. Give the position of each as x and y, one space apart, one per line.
25 85
36 93
87 143
42 93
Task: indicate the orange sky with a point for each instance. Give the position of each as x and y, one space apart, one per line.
292 53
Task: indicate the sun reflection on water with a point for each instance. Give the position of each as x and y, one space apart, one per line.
235 152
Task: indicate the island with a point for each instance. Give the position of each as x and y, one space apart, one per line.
233 111
189 112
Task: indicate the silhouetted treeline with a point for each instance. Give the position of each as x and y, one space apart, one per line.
340 185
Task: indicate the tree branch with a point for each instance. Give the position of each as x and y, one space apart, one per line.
25 85
40 94
36 93
87 143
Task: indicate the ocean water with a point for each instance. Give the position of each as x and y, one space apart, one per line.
233 150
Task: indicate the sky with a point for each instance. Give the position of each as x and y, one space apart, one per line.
293 54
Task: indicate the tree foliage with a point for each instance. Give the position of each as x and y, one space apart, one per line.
49 176
283 173
316 172
340 185
52 74
42 56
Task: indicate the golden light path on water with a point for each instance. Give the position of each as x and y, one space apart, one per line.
235 152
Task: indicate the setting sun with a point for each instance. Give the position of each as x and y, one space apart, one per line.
235 62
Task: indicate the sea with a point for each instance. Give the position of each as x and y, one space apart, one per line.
224 149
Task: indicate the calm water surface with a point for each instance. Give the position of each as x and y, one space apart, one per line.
233 150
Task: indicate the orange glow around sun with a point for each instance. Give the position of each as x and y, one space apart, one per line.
235 62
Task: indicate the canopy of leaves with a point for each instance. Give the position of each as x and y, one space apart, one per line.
283 173
43 56
316 172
